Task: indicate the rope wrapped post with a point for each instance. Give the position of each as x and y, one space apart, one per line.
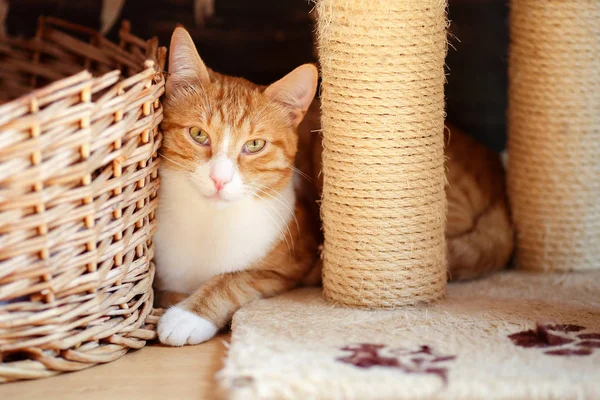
554 133
384 204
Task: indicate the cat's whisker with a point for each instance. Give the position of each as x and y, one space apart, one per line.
257 188
173 161
282 199
284 203
286 226
281 232
302 174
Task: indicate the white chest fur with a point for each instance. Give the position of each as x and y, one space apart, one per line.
196 241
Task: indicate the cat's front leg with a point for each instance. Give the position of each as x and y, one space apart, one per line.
200 316
166 299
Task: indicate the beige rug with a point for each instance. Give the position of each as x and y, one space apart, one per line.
511 336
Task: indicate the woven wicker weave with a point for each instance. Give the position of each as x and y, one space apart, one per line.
78 183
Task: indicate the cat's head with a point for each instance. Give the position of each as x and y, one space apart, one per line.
231 138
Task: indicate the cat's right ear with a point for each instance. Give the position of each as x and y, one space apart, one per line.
186 68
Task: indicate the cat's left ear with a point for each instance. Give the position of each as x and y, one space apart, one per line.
295 91
186 68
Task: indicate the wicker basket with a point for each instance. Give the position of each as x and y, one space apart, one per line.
78 183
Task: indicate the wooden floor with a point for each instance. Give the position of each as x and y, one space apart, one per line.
154 372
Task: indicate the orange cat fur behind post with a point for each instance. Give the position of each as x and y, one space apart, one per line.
230 227
479 232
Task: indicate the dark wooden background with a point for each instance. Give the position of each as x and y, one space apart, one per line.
262 40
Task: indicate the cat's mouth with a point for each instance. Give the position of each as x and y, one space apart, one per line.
216 197
220 199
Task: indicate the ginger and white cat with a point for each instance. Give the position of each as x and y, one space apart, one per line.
230 227
237 221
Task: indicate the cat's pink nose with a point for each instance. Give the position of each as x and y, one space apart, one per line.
221 172
219 182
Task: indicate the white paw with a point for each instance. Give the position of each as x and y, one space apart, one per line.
179 327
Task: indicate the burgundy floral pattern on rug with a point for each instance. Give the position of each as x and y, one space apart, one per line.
558 339
411 361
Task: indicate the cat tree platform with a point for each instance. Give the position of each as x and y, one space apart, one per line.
514 335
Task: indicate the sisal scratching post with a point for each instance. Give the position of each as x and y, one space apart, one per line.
382 99
554 133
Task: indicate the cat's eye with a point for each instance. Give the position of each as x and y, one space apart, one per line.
199 136
254 146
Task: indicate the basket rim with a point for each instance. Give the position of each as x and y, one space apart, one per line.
150 63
